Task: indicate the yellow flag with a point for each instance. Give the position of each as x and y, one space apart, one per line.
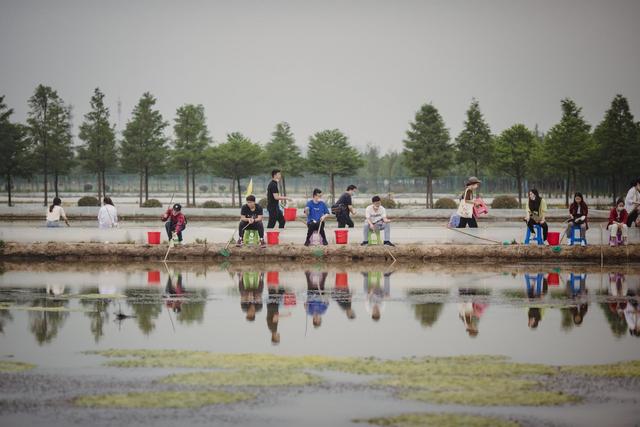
249 188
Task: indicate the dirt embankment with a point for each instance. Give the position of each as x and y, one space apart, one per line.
340 253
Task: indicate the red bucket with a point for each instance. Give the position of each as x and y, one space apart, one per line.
290 214
553 237
273 277
553 279
342 236
153 277
273 237
342 280
153 237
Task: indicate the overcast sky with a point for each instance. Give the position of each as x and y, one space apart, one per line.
364 67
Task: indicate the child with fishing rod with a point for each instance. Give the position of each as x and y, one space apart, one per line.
317 212
251 215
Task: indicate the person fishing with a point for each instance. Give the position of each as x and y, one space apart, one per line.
467 203
107 215
535 213
175 222
343 208
273 201
251 219
55 213
617 224
375 219
632 204
578 213
316 211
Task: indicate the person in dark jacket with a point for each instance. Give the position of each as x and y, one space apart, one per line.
175 222
343 208
578 216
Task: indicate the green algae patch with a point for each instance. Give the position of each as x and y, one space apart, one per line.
9 366
495 396
439 420
255 378
614 370
162 399
98 296
52 309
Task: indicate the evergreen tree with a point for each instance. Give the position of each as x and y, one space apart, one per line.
329 153
15 148
237 158
144 148
567 145
49 128
474 142
98 153
513 150
617 139
192 139
283 153
427 151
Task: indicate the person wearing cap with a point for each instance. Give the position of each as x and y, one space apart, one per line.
465 211
175 222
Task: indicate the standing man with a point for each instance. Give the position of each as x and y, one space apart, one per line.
344 208
273 200
632 203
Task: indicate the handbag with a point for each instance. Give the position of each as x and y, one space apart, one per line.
465 210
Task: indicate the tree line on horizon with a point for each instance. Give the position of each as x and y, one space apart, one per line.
571 149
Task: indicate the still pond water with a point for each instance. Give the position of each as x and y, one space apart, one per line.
546 314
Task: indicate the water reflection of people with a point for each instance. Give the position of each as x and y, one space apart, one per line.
273 310
342 294
251 285
632 315
175 293
376 292
471 309
537 288
577 291
317 301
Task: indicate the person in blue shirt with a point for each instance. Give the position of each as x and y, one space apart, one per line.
316 211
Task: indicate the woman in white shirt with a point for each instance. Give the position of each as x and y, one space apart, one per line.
107 215
55 213
632 203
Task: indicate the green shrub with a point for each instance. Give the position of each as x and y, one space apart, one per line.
445 203
152 203
388 203
88 187
211 204
263 202
505 202
88 201
203 188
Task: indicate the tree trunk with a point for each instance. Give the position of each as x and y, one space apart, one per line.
614 187
193 185
567 189
9 188
239 193
429 191
333 188
233 192
141 185
519 184
146 183
99 186
284 187
475 168
186 174
104 183
55 183
46 183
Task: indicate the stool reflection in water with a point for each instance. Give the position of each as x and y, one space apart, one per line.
377 287
536 289
251 285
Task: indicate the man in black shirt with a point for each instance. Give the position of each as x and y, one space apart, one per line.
344 208
251 218
273 201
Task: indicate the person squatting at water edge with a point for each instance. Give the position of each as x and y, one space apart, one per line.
617 224
375 220
251 219
535 213
317 212
55 212
343 208
632 204
273 201
175 222
578 213
467 203
107 215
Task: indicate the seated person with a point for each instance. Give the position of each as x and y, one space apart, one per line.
578 212
632 204
375 218
536 210
175 222
251 219
316 211
618 223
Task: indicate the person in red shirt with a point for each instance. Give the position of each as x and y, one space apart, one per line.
175 222
618 223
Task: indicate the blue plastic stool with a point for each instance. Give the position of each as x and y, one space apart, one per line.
581 282
527 237
573 239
